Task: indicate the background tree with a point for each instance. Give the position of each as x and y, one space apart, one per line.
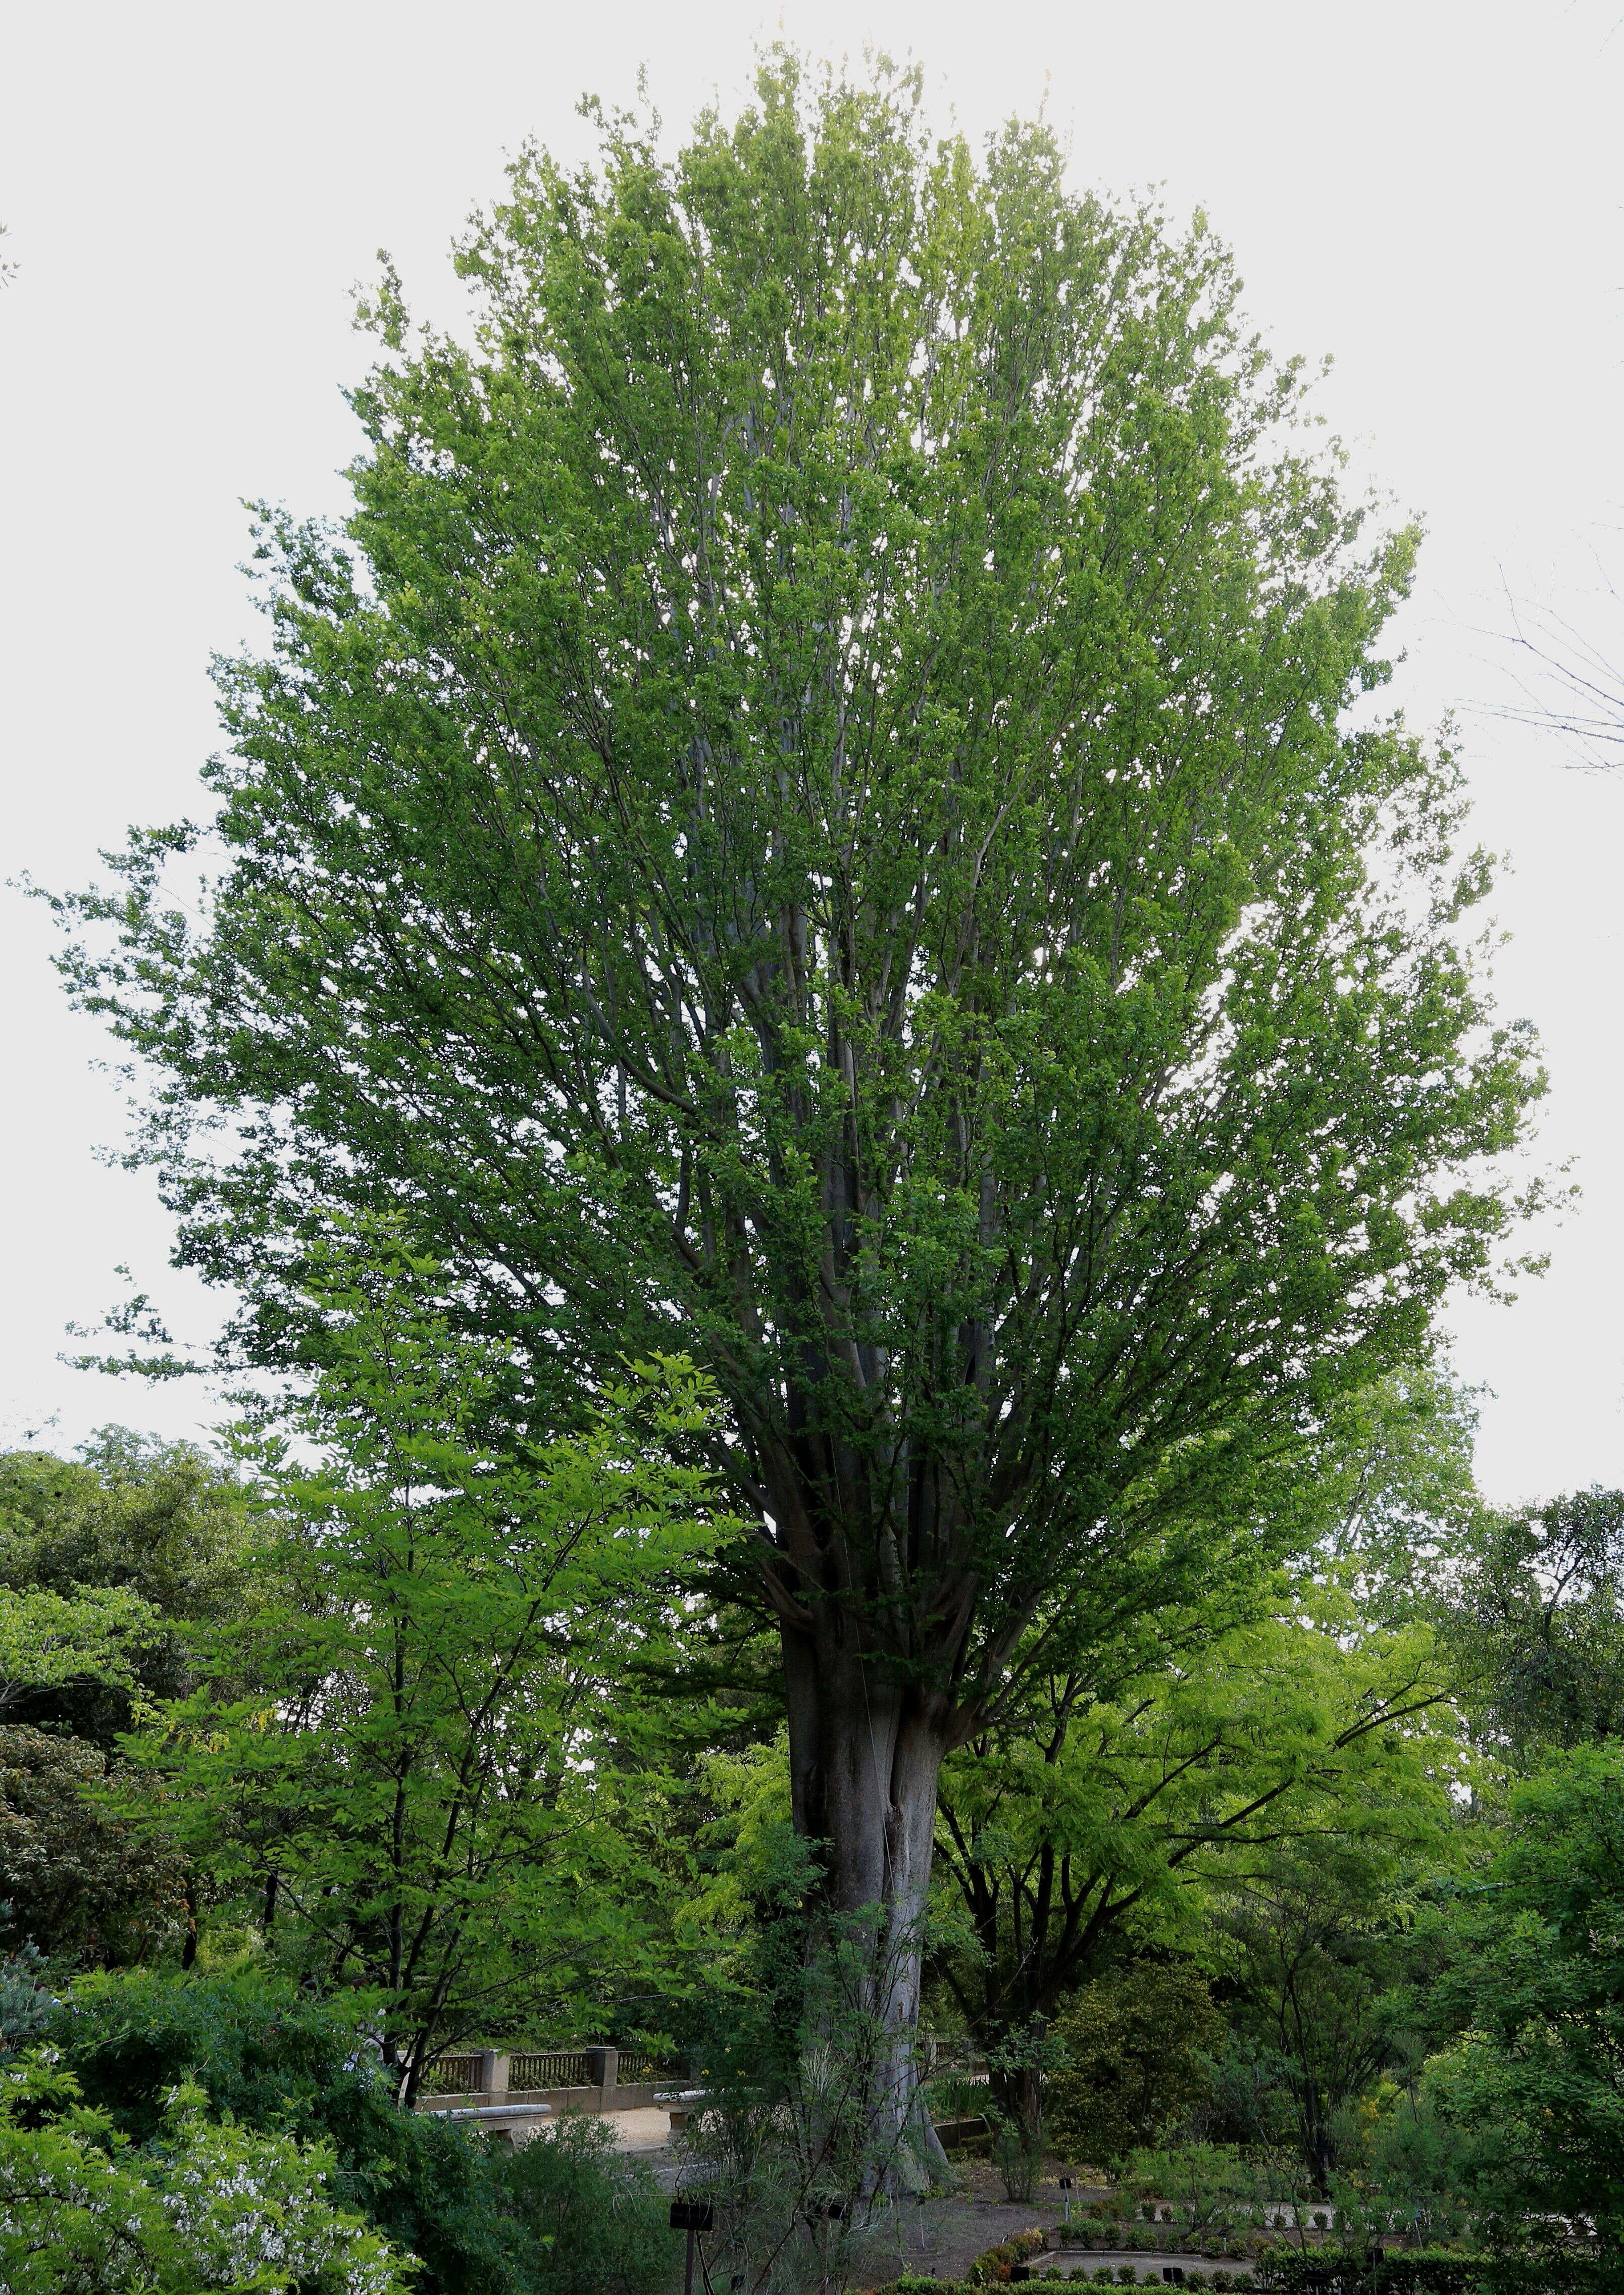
153 1532
79 1878
1538 1625
105 1560
1275 1703
1317 1926
1538 1981
1141 2043
812 820
389 1762
1111 1815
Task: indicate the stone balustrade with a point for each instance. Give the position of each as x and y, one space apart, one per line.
514 2081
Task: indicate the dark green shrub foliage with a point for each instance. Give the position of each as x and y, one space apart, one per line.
1438 2271
562 2217
1138 2044
603 2212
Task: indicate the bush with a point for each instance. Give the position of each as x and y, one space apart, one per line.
910 2286
994 2266
1018 2158
605 2217
1438 2271
562 2215
1138 2046
260 2051
210 2205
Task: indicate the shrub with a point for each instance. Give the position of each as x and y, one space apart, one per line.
260 2051
210 2205
598 2220
563 2216
1018 2158
995 2265
25 2004
1138 2046
1440 2271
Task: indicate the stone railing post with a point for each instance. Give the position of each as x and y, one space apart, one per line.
603 2073
493 2075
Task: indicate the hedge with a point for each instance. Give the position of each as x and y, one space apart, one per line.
1435 2271
1081 2275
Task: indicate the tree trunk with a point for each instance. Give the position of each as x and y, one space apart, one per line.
865 1751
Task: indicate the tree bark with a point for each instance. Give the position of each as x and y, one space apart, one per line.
866 1751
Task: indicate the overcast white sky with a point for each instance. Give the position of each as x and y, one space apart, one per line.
1432 191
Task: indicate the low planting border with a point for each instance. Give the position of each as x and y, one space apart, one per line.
1436 2271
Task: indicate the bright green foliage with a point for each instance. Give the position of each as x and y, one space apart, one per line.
1140 2043
1540 2075
1133 1794
405 1791
207 2205
811 819
101 1558
1389 1493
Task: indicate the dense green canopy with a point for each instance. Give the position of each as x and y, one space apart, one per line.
813 817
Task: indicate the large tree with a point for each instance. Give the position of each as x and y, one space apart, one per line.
816 814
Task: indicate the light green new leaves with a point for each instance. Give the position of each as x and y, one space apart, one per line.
1142 1799
397 1762
97 1633
208 2206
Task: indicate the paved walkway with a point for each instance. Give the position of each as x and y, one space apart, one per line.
940 2236
647 2130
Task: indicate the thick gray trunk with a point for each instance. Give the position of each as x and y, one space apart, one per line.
865 1756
